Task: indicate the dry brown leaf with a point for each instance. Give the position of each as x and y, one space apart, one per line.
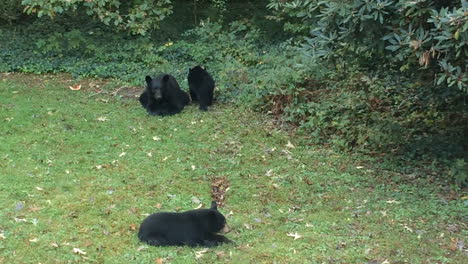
159 261
34 208
75 88
453 244
133 227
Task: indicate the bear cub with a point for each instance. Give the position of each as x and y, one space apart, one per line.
163 96
201 86
191 228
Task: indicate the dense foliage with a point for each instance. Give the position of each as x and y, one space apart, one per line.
387 78
426 36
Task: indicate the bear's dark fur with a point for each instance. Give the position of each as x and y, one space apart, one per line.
191 228
163 96
201 86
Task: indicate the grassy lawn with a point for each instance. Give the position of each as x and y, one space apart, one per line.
79 170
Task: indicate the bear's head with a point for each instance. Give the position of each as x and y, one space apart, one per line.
157 86
196 70
216 222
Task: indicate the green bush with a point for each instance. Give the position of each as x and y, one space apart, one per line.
429 37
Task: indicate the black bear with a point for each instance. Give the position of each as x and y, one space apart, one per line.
163 96
201 86
191 228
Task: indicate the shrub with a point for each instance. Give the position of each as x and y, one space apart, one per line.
10 10
429 37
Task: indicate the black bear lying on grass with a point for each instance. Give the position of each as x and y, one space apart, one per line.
201 86
163 96
191 228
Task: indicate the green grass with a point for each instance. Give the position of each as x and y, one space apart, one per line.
68 180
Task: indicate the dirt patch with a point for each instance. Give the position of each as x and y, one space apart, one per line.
128 92
98 86
219 187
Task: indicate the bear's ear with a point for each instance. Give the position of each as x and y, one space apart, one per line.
214 205
148 79
165 78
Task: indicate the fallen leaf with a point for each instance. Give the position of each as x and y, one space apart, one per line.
55 245
39 188
133 227
248 226
78 251
199 254
34 208
102 119
2 236
295 235
195 200
453 244
18 220
289 145
193 167
359 167
34 240
392 201
199 206
141 248
149 154
158 261
155 138
309 182
122 154
75 88
158 205
407 228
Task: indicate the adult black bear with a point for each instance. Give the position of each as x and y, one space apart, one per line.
163 96
201 86
191 228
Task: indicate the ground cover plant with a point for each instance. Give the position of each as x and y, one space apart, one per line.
81 168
